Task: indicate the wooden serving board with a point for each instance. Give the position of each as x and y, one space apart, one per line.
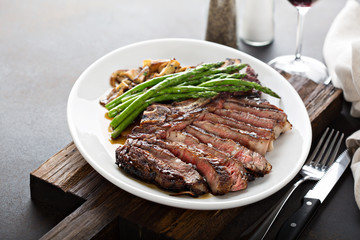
96 209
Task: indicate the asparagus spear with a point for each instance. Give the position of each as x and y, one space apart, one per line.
114 111
126 98
197 81
217 73
213 77
139 88
123 125
186 89
239 82
229 88
180 89
227 69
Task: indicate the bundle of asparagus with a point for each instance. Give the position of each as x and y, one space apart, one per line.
204 81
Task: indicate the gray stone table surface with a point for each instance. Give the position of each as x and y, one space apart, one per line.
46 45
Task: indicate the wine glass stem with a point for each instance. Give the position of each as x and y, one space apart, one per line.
299 32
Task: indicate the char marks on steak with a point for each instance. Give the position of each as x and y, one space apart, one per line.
263 132
154 164
247 139
237 172
201 145
216 174
176 112
261 109
189 145
252 161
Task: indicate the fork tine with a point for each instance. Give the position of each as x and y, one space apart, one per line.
311 158
323 149
322 163
333 156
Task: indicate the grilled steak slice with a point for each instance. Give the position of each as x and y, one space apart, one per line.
154 164
216 175
251 75
190 105
237 171
263 110
279 116
252 161
148 131
175 116
192 141
155 114
247 139
247 118
263 132
177 111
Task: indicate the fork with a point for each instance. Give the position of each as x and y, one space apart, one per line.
314 169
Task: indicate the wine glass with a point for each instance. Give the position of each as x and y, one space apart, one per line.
300 65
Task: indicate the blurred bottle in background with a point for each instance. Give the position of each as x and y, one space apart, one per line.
255 21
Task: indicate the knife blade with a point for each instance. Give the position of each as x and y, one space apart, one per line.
294 225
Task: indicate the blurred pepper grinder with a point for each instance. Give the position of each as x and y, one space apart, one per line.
221 24
255 21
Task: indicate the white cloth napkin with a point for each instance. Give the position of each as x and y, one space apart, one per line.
353 144
342 53
342 56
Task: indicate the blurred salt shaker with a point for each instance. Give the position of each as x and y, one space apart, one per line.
255 21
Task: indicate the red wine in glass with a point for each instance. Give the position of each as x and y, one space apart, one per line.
302 3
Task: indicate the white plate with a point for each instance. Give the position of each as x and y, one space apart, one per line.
89 128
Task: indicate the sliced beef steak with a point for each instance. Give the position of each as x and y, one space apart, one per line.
247 118
234 168
261 109
176 112
264 113
247 139
202 145
154 164
263 132
217 176
252 161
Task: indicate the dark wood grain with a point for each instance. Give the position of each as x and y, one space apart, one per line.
322 102
96 209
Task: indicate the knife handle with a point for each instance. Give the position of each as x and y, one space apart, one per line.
294 225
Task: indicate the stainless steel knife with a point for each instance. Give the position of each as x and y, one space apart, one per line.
294 225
